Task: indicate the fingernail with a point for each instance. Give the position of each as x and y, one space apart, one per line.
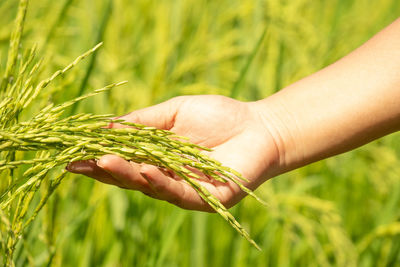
70 167
77 168
100 163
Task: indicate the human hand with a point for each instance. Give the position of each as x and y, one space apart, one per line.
307 121
231 128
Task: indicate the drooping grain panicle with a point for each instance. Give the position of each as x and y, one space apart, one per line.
84 137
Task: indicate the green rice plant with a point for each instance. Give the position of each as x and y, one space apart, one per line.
49 139
169 48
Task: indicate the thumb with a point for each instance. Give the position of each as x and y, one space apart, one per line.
161 116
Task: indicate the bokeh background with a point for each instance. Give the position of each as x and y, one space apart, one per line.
343 211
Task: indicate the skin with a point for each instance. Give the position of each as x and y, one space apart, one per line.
341 107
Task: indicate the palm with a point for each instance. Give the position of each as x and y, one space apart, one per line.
231 129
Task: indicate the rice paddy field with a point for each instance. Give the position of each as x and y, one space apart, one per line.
342 211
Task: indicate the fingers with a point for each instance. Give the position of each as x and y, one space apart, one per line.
174 191
90 168
126 173
148 179
161 116
112 170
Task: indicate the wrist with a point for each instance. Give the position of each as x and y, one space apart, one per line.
280 124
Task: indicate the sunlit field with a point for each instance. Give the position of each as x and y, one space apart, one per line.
343 211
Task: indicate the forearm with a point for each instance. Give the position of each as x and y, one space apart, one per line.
345 105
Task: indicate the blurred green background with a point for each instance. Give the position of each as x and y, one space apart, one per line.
343 211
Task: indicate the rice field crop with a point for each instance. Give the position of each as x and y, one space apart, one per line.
342 211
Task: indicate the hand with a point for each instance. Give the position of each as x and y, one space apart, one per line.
231 128
345 105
